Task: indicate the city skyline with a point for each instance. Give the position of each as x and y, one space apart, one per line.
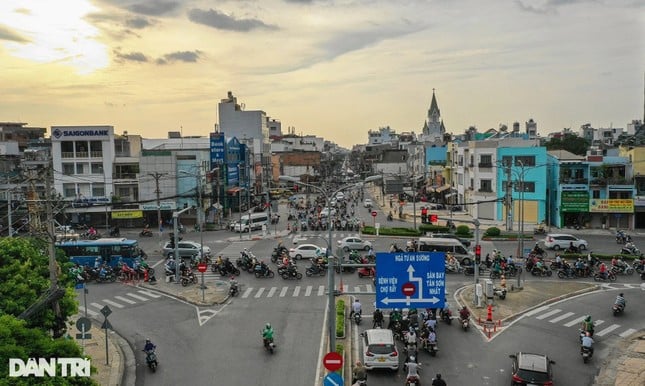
331 68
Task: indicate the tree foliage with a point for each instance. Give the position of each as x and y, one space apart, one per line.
24 274
17 340
569 142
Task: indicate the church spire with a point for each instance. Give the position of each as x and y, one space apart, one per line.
434 108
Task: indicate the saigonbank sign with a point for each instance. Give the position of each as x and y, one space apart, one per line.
68 132
41 367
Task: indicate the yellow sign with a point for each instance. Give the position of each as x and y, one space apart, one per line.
127 214
612 205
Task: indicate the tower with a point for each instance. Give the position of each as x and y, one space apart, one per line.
433 128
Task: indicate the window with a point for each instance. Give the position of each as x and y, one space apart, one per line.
486 161
529 187
98 190
507 160
67 149
69 190
485 186
81 168
96 149
525 160
472 183
81 149
68 169
97 168
596 193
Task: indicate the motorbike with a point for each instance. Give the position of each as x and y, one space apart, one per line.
151 360
625 269
465 323
291 273
446 316
315 270
586 354
358 318
610 277
390 217
360 382
366 272
109 276
89 236
567 273
245 263
145 232
453 268
633 251
188 277
269 345
617 309
225 269
622 238
233 290
500 293
277 253
539 230
469 270
263 272
541 272
412 381
115 232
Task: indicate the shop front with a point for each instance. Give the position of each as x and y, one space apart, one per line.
612 212
574 209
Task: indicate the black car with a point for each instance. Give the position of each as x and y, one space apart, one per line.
531 369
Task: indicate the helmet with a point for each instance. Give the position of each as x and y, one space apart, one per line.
588 318
464 308
232 277
621 294
268 325
147 340
356 300
412 358
438 376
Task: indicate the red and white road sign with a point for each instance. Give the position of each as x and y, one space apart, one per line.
333 361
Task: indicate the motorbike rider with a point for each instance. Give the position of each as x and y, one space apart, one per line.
233 284
411 339
618 264
558 260
580 267
413 370
630 247
438 381
572 248
540 266
395 316
602 270
537 250
377 316
267 334
149 347
620 300
453 264
445 311
587 325
587 342
91 231
359 373
357 308
464 313
431 322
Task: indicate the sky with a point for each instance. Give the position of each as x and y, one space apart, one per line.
332 68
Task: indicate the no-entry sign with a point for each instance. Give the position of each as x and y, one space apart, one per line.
333 361
373 213
201 267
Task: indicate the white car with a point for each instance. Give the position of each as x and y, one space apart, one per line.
367 203
306 251
340 196
353 243
557 241
325 212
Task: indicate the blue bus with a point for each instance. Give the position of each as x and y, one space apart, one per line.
112 251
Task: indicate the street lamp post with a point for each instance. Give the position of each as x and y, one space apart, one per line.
331 304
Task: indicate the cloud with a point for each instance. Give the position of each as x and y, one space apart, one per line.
154 7
180 56
138 23
218 20
131 57
8 34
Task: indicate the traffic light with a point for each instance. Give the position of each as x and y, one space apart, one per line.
478 253
433 218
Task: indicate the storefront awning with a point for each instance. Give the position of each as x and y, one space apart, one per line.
233 190
442 188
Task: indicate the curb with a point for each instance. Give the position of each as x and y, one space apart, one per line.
128 365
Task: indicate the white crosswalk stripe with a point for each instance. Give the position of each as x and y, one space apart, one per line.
125 300
561 317
114 304
537 310
283 291
150 293
137 297
247 293
296 291
271 292
627 332
259 293
321 290
99 306
575 321
546 315
92 313
308 290
607 330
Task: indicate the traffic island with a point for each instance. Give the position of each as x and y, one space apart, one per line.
534 294
215 291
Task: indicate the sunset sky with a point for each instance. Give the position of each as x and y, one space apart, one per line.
333 68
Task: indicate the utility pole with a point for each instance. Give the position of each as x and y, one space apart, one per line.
157 176
53 266
509 198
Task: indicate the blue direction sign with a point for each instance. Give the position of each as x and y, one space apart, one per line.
333 379
410 279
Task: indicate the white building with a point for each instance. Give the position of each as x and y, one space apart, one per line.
384 135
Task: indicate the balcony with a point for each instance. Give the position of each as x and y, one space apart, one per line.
619 181
485 190
125 176
485 164
574 181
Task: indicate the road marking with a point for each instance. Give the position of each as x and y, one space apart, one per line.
552 312
121 298
598 323
283 291
627 333
137 297
607 330
259 293
99 306
575 321
369 288
247 293
149 293
296 291
110 302
559 318
321 290
271 292
92 313
537 310
308 290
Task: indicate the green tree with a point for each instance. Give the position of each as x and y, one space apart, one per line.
24 274
569 142
17 340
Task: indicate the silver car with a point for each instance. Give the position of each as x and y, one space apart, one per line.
354 243
557 241
185 249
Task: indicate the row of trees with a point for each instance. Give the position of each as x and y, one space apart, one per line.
25 285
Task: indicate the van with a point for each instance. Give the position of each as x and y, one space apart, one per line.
453 246
251 222
379 349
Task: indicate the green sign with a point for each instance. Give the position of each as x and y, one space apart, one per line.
577 201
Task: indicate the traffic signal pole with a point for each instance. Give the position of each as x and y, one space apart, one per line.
475 222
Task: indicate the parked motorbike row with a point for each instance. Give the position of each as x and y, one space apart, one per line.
186 274
105 274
